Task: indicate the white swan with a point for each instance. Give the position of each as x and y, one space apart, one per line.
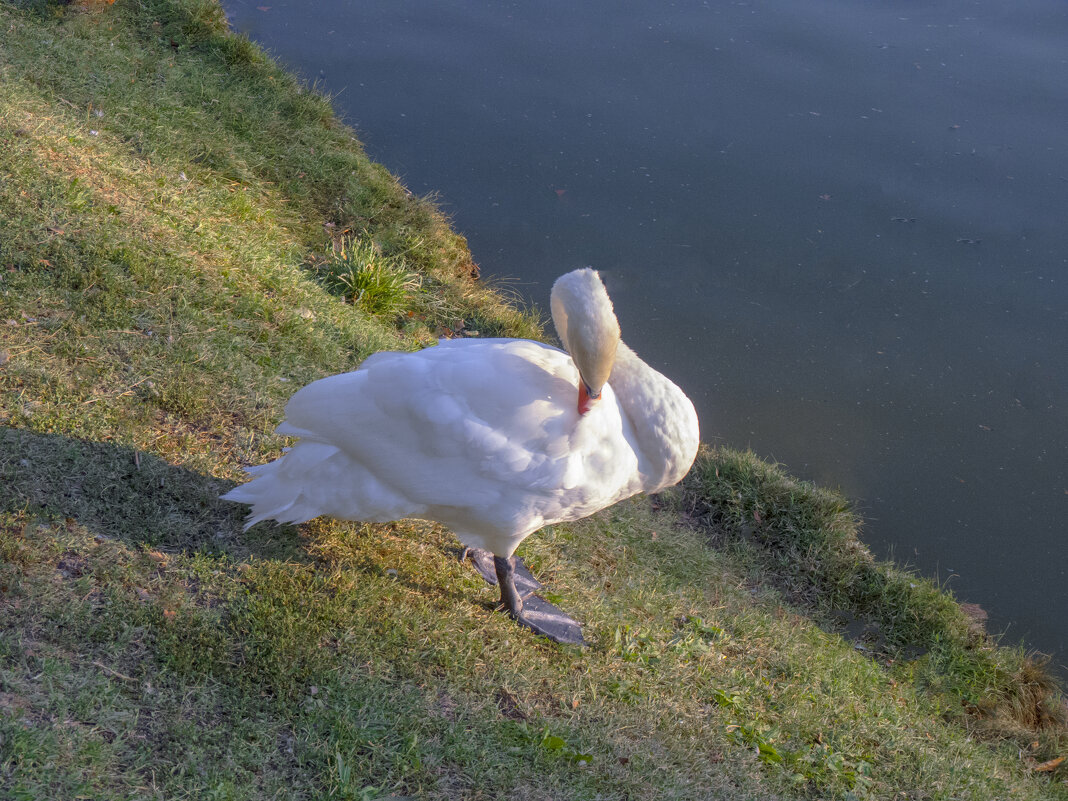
494 438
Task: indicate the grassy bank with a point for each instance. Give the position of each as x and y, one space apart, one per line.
187 235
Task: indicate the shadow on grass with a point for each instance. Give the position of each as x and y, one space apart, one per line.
118 492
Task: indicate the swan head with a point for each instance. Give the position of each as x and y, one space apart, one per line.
587 327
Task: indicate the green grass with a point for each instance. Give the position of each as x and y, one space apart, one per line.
172 208
356 270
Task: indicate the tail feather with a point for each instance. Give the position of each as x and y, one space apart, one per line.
278 490
313 479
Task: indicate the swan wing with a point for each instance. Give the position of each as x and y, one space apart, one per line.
482 435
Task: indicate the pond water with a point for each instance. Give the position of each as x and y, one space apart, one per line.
841 226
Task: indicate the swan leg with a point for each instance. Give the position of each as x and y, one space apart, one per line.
483 562
535 613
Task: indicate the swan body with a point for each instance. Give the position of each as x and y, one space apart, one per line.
494 438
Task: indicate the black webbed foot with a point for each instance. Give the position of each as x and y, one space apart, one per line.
534 612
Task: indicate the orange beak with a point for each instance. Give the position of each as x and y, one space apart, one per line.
586 400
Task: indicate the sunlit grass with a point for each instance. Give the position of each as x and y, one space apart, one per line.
356 270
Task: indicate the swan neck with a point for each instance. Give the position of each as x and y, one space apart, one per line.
663 419
586 324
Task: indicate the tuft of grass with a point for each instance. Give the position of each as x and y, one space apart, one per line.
357 270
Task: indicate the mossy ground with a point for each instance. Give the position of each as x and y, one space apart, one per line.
169 201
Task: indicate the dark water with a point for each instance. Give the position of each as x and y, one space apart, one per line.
840 225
